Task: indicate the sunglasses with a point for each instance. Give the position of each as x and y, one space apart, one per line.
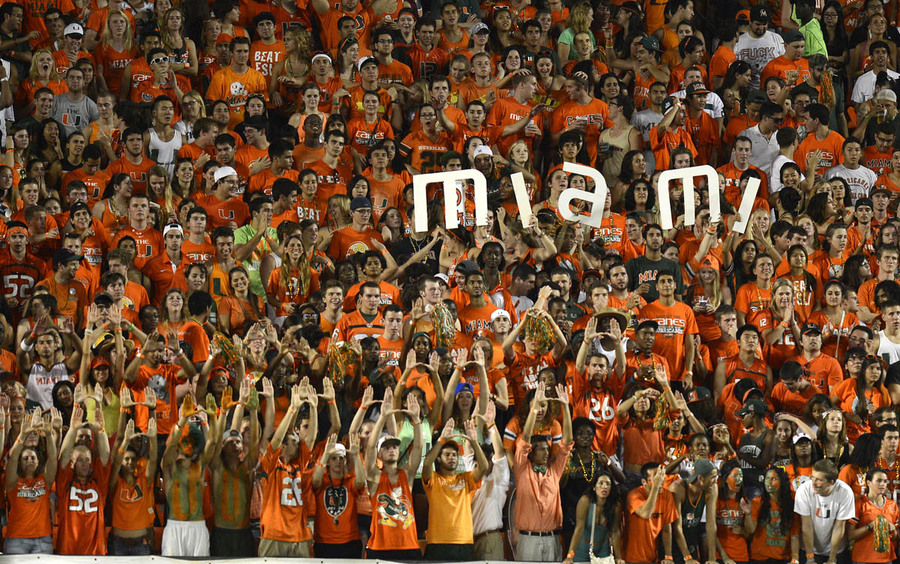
159 61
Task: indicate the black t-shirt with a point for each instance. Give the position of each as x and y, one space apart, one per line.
642 269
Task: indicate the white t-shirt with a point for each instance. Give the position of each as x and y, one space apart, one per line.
861 180
775 178
758 52
864 88
825 511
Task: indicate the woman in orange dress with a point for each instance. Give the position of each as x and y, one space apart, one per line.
778 324
291 283
859 397
241 308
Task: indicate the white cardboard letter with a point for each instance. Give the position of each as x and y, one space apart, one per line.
747 200
597 198
448 178
687 175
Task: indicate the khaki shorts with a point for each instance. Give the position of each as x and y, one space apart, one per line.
276 548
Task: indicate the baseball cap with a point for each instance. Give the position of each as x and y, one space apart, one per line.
880 189
231 434
668 104
500 313
483 150
339 450
810 328
467 267
792 35
172 227
223 38
103 299
78 206
65 255
650 43
702 467
387 440
366 60
743 16
464 387
224 172
696 88
480 27
74 29
864 202
99 361
699 393
800 436
886 94
359 203
757 97
647 323
759 13
708 262
755 406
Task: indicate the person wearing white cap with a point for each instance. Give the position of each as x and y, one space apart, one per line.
224 205
167 269
338 479
394 534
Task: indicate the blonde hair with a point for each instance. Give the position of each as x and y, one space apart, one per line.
128 36
342 201
168 206
199 98
529 165
578 18
33 72
164 33
755 214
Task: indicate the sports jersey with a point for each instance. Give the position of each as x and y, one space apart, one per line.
283 511
425 153
676 323
82 526
235 88
149 243
597 114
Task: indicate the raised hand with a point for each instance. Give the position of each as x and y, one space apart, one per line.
471 434
125 399
447 431
562 395
478 356
79 394
414 411
268 390
388 401
329 445
150 398
368 398
56 418
328 390
354 444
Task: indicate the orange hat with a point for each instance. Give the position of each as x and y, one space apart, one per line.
709 261
223 38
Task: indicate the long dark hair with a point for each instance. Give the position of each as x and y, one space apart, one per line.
785 504
866 451
850 276
861 402
726 470
612 502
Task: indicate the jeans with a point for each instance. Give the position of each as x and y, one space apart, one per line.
39 545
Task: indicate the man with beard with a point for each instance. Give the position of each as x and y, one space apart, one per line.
695 497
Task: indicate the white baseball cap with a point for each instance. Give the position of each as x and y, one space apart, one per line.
483 150
224 172
74 29
172 227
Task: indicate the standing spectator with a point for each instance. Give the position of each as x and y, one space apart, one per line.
538 513
650 512
824 504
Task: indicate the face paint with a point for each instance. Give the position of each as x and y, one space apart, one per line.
772 483
735 480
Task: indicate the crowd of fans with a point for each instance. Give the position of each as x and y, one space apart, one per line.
223 335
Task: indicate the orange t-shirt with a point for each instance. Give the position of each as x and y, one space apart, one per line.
292 293
82 527
393 520
831 148
28 508
751 298
766 543
149 243
112 63
867 512
597 113
363 134
507 111
137 172
640 545
264 57
284 513
235 88
265 179
336 510
133 506
676 323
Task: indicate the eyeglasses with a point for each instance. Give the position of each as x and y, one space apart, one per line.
159 60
